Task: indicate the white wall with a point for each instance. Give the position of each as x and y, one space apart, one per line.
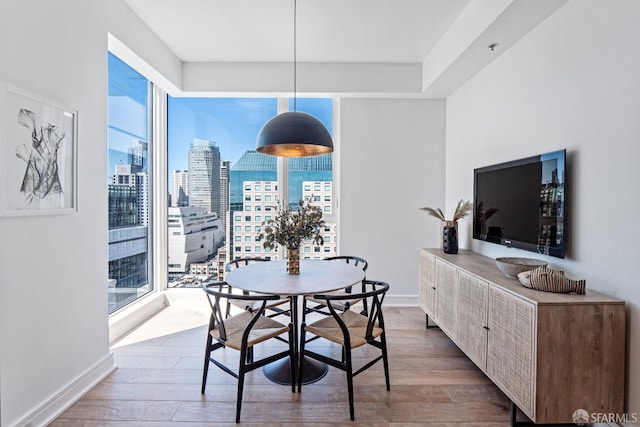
573 83
53 323
53 295
54 340
391 163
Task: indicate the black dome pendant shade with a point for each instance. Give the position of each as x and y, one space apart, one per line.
294 134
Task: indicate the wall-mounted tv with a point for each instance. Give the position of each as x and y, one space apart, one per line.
521 203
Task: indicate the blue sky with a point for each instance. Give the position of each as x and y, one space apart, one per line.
233 123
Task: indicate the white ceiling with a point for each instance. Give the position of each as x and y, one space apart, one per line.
425 48
355 31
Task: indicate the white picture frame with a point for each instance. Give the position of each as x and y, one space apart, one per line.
38 155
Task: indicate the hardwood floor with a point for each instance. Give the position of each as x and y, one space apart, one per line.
157 383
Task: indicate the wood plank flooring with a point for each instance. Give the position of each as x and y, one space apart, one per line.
157 383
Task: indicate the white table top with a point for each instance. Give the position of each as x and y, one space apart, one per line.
316 276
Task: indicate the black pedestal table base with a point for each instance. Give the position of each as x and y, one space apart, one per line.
280 371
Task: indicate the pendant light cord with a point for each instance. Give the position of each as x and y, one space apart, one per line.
295 73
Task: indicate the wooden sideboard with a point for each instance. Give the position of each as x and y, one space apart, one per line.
550 353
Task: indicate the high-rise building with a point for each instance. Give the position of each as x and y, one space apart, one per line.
128 226
253 197
250 167
221 260
311 168
194 237
204 175
320 193
179 188
260 199
123 206
225 166
260 202
138 154
135 177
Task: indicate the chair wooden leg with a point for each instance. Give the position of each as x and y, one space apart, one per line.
241 372
293 360
385 361
239 397
204 377
301 355
205 369
349 371
304 310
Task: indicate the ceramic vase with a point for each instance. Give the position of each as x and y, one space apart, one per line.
450 239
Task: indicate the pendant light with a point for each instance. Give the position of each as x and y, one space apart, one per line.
294 134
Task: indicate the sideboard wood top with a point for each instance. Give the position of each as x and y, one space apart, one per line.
485 268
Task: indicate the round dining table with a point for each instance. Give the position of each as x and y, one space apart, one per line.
316 277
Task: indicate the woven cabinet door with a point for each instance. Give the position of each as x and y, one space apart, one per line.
446 295
510 347
471 332
427 283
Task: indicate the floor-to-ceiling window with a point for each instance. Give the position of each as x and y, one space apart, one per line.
129 184
311 178
222 190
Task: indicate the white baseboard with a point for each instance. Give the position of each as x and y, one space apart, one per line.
401 300
69 394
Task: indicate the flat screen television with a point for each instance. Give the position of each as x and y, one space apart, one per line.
521 203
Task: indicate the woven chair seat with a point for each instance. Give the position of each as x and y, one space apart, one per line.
264 329
356 324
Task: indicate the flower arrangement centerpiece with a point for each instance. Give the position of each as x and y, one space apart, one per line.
290 227
449 241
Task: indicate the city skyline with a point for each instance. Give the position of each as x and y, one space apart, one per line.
232 123
207 137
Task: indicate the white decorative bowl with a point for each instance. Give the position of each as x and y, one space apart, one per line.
512 266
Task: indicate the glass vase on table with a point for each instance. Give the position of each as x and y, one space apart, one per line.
293 260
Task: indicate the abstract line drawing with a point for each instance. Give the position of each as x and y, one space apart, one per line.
38 162
41 177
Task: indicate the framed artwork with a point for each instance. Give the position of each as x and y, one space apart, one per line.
38 155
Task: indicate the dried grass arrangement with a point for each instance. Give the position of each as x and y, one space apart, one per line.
462 210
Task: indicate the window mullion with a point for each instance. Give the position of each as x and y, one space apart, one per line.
283 162
283 171
159 267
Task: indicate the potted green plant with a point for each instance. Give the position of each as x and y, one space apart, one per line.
290 227
449 241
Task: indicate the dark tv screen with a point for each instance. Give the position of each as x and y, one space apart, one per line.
521 204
